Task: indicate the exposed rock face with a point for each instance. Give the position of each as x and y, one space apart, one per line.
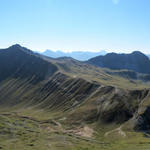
141 118
142 121
110 104
135 61
121 105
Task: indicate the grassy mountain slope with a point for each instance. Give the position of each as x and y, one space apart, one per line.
120 78
65 104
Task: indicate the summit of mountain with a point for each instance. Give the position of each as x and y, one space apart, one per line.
135 61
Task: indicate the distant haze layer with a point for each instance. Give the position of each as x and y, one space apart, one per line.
79 55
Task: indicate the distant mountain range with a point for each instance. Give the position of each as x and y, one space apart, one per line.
135 61
79 55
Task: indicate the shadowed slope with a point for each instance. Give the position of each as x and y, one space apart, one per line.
135 61
19 62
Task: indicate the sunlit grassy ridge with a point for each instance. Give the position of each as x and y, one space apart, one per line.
123 78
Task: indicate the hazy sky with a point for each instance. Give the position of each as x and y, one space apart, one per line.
87 25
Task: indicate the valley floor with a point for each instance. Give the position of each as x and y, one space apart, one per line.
39 130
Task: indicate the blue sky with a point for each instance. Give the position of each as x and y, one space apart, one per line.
76 25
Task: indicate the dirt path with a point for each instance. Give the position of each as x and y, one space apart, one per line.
119 131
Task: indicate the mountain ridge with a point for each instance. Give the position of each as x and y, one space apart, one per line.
135 61
51 99
32 66
78 55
